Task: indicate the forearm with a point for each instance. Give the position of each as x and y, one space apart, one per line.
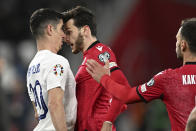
115 109
56 108
58 116
126 94
35 115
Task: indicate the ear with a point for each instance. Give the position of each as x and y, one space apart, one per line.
183 45
49 29
85 30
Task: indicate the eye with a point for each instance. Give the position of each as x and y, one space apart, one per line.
67 32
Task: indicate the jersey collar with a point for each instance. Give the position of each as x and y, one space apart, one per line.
93 44
190 63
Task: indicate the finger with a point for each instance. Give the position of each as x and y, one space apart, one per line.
106 64
89 71
90 66
90 62
93 62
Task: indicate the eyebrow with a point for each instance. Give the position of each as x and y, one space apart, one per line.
66 28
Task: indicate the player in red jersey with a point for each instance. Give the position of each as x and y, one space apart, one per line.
175 87
96 107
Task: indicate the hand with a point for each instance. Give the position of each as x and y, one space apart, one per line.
106 126
96 70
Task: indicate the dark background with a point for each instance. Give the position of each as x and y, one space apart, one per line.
140 32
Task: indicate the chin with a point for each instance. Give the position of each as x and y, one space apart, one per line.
75 51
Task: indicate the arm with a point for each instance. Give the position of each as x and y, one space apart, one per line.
191 122
101 74
36 115
56 108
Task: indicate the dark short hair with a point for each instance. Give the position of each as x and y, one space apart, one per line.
41 18
188 32
81 16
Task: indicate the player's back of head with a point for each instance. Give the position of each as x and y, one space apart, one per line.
82 16
188 32
41 18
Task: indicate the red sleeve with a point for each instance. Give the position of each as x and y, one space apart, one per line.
116 105
154 89
124 93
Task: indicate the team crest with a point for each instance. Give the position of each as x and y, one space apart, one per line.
58 70
151 82
104 57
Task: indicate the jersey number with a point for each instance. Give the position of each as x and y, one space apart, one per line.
39 101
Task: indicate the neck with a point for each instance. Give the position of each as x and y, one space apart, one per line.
88 42
189 57
45 44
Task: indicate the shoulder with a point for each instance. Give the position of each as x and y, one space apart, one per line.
165 74
55 58
102 53
106 47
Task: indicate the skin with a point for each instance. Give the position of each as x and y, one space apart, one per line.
73 37
54 37
79 39
178 44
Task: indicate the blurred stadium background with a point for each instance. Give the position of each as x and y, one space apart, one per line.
140 32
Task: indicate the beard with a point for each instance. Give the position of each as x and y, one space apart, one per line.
179 53
78 44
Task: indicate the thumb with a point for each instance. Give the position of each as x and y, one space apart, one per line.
106 64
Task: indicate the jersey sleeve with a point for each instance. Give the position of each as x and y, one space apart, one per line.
153 89
117 106
29 88
57 74
107 54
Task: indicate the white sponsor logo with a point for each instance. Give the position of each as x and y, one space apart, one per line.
188 79
99 48
104 57
143 88
84 61
151 82
112 64
110 101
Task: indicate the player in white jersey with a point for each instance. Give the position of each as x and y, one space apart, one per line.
50 81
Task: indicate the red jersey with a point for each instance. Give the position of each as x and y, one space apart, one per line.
175 87
95 104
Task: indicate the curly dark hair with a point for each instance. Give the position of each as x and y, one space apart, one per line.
81 16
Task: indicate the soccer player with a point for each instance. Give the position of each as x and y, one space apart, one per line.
50 81
175 87
96 107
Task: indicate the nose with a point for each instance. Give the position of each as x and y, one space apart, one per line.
66 39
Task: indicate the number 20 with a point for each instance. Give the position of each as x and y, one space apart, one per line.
40 103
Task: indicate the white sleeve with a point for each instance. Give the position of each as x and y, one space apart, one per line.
57 74
30 90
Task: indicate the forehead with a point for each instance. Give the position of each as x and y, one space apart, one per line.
179 32
70 24
60 22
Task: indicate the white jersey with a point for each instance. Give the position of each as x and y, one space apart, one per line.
48 70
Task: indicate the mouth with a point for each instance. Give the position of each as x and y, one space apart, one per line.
71 45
